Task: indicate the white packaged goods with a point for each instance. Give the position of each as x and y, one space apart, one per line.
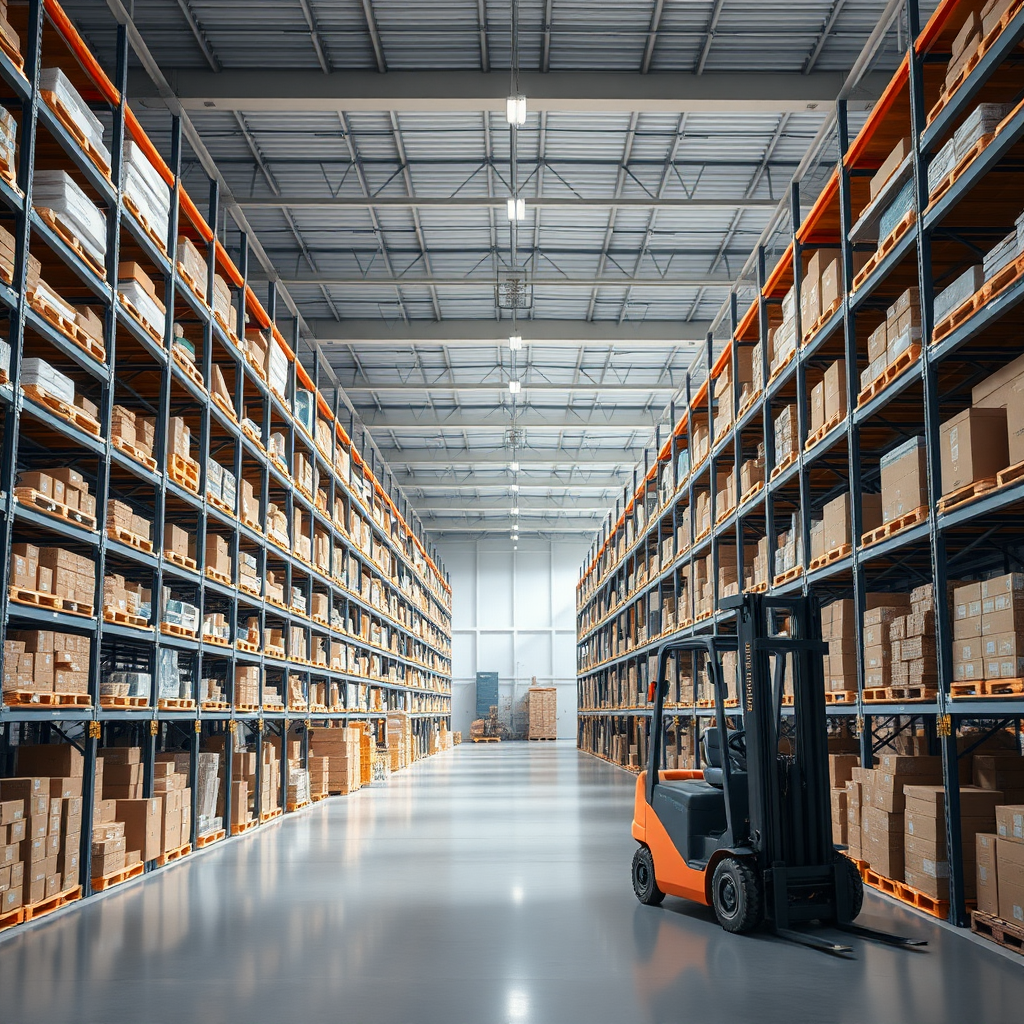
896 210
151 313
5 357
1019 223
8 138
139 684
48 297
43 375
941 166
1003 253
137 161
958 292
54 80
228 487
983 120
57 191
169 676
277 367
156 217
214 478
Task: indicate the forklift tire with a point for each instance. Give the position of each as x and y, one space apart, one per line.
855 887
644 885
736 896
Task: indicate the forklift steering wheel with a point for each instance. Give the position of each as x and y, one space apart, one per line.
738 746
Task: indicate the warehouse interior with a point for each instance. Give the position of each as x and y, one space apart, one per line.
512 510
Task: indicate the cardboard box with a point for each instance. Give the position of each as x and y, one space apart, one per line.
904 479
1010 870
835 390
974 447
889 167
143 825
1010 821
50 759
840 767
986 875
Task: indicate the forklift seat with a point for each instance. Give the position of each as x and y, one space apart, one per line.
711 749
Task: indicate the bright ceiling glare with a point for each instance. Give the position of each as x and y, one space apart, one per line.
515 386
514 488
517 210
515 343
513 467
515 510
515 110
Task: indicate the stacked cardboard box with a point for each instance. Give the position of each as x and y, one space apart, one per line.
904 479
121 595
889 167
927 859
63 485
218 554
122 517
56 571
782 335
135 430
883 807
222 302
912 642
988 629
194 263
340 746
247 685
543 708
828 397
877 620
298 786
820 287
840 775
895 335
319 776
785 435
1004 389
135 285
974 446
835 531
170 781
837 629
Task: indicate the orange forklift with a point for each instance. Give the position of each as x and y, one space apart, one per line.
750 834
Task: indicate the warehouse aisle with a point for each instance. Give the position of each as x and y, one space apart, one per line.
486 886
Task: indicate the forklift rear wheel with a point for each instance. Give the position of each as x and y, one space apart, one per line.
644 885
854 887
736 896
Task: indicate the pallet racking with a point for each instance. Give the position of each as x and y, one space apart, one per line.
633 590
380 593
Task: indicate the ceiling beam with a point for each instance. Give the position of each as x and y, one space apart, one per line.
415 485
457 459
498 202
437 92
493 417
547 333
385 387
532 530
487 281
563 504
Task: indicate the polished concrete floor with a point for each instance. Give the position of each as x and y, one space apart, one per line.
486 886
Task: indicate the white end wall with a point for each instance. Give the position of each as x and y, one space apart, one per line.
514 613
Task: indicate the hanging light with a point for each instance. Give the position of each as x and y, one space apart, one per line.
514 488
515 386
515 110
515 343
517 210
513 467
515 510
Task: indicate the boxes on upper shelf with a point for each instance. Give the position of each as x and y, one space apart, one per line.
973 447
59 87
58 192
904 479
146 189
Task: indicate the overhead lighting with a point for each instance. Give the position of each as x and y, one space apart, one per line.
515 386
514 488
514 467
515 343
517 209
515 110
515 510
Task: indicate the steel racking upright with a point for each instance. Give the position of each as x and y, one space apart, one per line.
387 600
630 573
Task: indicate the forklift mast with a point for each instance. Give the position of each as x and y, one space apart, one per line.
790 816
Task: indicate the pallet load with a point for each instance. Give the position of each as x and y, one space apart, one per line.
543 703
72 214
399 735
340 747
988 636
904 478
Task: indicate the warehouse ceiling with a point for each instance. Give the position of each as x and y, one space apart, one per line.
366 145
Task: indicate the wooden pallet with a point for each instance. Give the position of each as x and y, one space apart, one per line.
67 119
251 591
229 331
829 557
245 826
783 466
134 452
30 698
184 472
50 601
131 539
176 704
215 705
840 696
721 517
256 368
1011 475
182 561
12 917
486 739
787 576
906 893
540 739
965 495
903 362
988 688
967 689
251 648
122 618
71 414
48 217
757 588
958 171
225 407
209 838
172 855
33 911
293 807
254 437
31 498
118 877
958 316
173 629
897 525
13 55
188 368
823 431
217 640
149 328
68 328
221 504
137 213
885 246
1004 933
822 320
110 701
270 815
218 577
